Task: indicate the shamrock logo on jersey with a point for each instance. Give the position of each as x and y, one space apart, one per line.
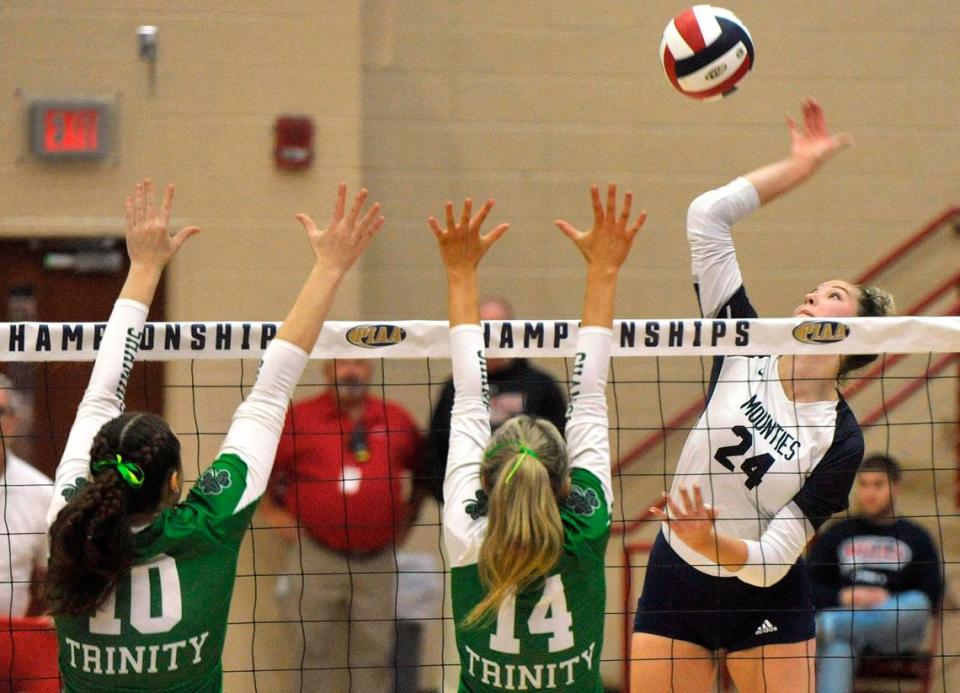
582 501
477 508
214 481
70 491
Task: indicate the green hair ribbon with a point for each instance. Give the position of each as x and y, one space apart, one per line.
494 450
524 453
130 471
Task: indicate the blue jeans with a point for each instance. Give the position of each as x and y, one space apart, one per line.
896 626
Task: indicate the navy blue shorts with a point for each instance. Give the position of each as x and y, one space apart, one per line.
680 602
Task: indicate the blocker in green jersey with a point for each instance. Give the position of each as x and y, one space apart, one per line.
527 513
548 637
166 623
140 585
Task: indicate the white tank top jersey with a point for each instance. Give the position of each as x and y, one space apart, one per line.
24 494
774 469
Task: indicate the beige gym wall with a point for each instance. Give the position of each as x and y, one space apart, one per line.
527 102
530 102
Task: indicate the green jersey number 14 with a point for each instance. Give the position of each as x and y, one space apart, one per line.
155 603
548 617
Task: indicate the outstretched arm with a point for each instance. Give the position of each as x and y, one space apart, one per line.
605 248
461 248
712 214
150 247
336 249
811 145
258 422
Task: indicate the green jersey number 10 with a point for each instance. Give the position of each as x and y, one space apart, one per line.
549 617
159 574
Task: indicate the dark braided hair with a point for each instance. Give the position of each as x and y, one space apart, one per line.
91 543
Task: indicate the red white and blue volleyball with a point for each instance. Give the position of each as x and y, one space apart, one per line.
706 51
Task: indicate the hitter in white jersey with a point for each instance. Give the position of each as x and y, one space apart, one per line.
772 457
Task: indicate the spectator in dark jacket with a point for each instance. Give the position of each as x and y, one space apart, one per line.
516 387
876 580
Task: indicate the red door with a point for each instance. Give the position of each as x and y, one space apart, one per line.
65 280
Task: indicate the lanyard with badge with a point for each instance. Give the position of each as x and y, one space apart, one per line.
358 443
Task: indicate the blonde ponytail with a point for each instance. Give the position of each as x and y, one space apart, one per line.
525 473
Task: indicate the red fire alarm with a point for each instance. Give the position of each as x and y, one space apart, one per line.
294 147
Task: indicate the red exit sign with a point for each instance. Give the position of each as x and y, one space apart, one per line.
70 130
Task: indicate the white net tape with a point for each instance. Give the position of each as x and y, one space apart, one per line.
33 341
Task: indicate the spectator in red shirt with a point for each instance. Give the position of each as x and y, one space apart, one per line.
341 497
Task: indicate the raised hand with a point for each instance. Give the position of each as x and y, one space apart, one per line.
347 235
608 243
461 245
811 142
336 249
811 145
149 244
693 522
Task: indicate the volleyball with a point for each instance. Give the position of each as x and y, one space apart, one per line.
706 51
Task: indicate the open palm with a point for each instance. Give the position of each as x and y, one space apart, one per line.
347 235
461 245
692 520
607 244
148 241
811 141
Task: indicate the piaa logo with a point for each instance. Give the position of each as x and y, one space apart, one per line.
373 336
821 332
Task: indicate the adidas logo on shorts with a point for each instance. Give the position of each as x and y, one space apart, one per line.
765 627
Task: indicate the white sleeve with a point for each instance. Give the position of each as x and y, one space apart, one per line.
712 255
781 544
254 433
587 430
469 435
41 554
103 399
41 548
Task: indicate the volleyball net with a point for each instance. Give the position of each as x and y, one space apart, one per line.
908 404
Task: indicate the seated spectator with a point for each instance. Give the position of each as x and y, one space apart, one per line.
876 580
25 494
516 387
